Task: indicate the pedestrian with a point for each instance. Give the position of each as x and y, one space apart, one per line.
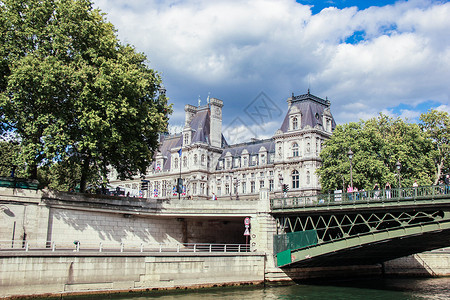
447 183
356 193
387 187
376 191
415 185
214 198
349 192
441 187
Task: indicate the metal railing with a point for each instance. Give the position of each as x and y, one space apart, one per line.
111 247
361 197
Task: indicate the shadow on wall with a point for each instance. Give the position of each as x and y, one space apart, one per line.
7 211
113 227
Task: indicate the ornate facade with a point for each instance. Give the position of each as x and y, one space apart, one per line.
201 156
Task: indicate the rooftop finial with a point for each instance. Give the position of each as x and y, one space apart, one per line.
308 91
199 101
207 99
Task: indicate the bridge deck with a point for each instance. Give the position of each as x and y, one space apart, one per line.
364 200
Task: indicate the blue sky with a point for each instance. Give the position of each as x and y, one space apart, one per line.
365 56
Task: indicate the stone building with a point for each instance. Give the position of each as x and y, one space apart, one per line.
201 156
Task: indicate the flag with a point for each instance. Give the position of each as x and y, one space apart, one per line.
158 167
174 192
184 191
179 152
155 193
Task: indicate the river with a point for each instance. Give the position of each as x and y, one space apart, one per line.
367 289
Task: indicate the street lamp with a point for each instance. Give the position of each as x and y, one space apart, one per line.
350 157
236 187
398 166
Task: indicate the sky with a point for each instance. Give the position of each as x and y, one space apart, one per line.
366 57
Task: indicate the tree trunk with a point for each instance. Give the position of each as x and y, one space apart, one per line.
33 172
84 174
439 170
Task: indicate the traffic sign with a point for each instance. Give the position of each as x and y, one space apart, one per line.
246 232
247 221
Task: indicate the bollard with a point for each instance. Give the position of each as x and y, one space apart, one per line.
100 248
142 247
53 246
121 247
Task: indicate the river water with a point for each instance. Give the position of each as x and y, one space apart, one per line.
366 289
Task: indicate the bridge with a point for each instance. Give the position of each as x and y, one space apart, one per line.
360 228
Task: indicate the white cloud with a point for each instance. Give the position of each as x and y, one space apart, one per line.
445 108
235 49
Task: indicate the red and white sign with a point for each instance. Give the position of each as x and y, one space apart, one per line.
246 232
247 221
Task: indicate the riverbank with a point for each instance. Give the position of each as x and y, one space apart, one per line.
45 274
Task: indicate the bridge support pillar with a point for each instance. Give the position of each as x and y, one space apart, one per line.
263 228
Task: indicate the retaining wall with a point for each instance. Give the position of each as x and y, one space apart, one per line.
37 275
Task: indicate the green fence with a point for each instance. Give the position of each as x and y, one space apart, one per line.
284 243
294 240
18 183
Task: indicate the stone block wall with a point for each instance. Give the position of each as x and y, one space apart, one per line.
93 227
434 263
76 273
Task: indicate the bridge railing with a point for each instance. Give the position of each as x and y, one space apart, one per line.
361 197
111 247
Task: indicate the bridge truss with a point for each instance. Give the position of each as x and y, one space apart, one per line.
361 233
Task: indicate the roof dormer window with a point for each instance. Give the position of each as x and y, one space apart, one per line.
294 123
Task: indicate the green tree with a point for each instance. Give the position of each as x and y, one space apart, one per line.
8 163
72 92
377 144
436 125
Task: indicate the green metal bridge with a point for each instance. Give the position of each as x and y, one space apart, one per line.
365 227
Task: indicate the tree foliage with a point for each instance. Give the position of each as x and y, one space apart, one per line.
377 144
73 94
436 125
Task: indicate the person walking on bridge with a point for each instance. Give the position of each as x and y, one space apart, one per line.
388 190
447 183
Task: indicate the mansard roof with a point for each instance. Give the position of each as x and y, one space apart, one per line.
168 143
311 108
252 147
200 124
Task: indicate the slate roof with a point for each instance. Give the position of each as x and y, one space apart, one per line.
201 125
167 143
252 147
309 105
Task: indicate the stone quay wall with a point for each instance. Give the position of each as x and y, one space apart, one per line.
77 273
39 218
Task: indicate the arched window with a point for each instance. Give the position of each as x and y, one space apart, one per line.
294 123
295 179
175 163
294 149
185 161
195 159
